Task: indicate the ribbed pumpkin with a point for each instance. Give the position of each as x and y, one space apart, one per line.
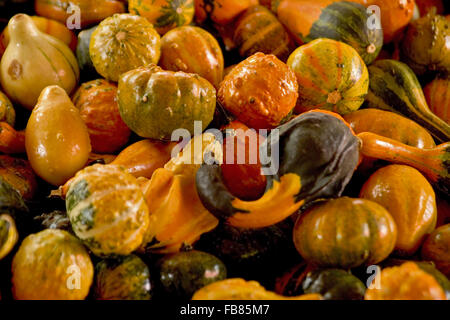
437 249
19 174
97 102
192 50
261 91
221 12
39 61
122 43
258 30
51 265
164 14
90 12
56 139
425 46
107 210
125 278
410 199
437 93
7 112
345 233
154 103
406 282
331 76
8 235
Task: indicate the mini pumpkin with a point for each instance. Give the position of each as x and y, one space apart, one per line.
107 210
261 91
19 174
51 265
221 12
437 249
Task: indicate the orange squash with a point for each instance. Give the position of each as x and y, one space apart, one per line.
221 12
410 199
437 94
437 249
11 140
97 102
426 6
18 173
91 11
406 282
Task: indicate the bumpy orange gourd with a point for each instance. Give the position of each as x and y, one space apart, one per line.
437 249
437 94
261 91
18 173
51 265
97 102
406 282
410 199
56 138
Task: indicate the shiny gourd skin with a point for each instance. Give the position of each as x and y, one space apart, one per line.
183 273
437 249
411 201
331 76
345 233
107 210
239 289
124 278
91 12
154 103
33 61
19 174
164 14
51 265
220 12
192 50
99 109
122 43
406 282
8 235
261 91
437 94
87 68
7 112
56 139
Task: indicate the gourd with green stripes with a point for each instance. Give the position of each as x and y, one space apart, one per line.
39 61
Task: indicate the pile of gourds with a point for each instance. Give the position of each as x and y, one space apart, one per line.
137 139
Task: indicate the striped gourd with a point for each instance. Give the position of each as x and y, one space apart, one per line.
331 76
437 93
107 210
394 87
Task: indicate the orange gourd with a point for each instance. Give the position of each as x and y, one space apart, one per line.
19 174
221 12
437 249
437 94
11 140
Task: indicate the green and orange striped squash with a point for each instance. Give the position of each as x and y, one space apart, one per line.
51 265
124 278
107 210
122 43
395 87
331 76
258 30
338 20
192 50
345 233
164 14
437 94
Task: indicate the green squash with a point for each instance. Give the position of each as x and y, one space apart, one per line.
393 86
154 103
84 59
125 278
183 273
334 284
348 22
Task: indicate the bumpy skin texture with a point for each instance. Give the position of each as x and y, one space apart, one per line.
406 282
409 198
122 43
107 210
345 233
437 249
97 102
154 103
19 174
192 50
51 265
126 278
331 76
261 91
182 274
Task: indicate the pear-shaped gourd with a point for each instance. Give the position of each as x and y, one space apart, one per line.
34 60
56 138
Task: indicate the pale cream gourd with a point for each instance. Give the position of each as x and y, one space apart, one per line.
34 60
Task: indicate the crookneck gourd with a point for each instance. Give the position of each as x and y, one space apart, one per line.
318 154
34 60
393 86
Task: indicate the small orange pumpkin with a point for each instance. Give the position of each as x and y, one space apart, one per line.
437 93
19 174
437 249
221 12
